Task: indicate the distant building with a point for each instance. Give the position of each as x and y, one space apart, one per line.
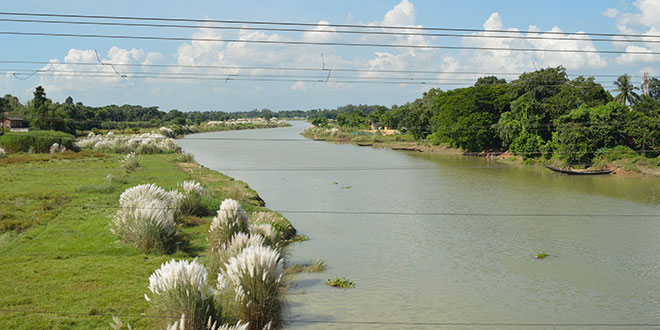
13 123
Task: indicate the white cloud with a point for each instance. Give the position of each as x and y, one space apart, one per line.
645 21
299 86
506 60
68 75
403 14
611 12
321 36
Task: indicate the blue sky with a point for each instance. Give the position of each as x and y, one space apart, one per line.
640 16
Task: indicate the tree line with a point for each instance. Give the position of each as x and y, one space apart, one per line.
539 114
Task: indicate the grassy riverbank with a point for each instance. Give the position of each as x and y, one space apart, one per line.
61 266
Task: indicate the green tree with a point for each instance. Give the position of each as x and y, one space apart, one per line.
626 90
490 80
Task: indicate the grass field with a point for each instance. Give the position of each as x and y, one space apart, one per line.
60 267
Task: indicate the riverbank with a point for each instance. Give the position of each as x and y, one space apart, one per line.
627 165
61 266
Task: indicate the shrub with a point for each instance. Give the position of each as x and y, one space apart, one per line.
38 141
180 325
131 162
254 278
277 221
57 148
185 157
616 153
230 219
192 199
181 288
3 154
272 237
146 219
147 143
219 256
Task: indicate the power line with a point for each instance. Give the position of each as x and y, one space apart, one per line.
284 42
460 82
235 67
368 32
386 27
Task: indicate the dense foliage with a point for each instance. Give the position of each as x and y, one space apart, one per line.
542 113
38 141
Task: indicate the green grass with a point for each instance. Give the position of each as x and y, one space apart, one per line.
56 250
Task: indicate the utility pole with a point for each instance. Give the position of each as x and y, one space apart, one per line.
645 84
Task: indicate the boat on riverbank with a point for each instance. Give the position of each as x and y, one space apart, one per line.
578 172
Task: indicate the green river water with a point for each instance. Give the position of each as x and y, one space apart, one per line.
465 258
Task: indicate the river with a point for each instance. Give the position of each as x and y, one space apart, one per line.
465 259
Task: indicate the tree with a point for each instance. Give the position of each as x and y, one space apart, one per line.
626 90
654 89
40 108
489 80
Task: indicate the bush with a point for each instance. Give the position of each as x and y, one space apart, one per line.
3 154
616 153
146 219
191 202
230 219
185 157
131 162
181 288
220 256
254 278
37 141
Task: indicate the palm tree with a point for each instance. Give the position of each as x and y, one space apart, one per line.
625 89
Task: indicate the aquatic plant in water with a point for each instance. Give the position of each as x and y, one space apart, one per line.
340 283
181 288
254 278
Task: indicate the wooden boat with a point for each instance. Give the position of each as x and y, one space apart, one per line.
364 144
578 172
407 149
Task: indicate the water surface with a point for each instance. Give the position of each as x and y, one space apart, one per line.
470 264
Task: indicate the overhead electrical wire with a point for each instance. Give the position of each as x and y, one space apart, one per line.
327 43
363 26
235 67
369 32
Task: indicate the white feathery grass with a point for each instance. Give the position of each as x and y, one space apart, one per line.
255 276
230 219
177 274
146 218
177 201
179 325
3 154
192 187
166 131
57 148
271 236
181 288
147 143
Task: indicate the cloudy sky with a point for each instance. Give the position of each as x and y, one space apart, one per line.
185 58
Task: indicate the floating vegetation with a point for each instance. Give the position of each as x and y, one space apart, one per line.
340 283
299 239
319 266
335 182
346 187
541 255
